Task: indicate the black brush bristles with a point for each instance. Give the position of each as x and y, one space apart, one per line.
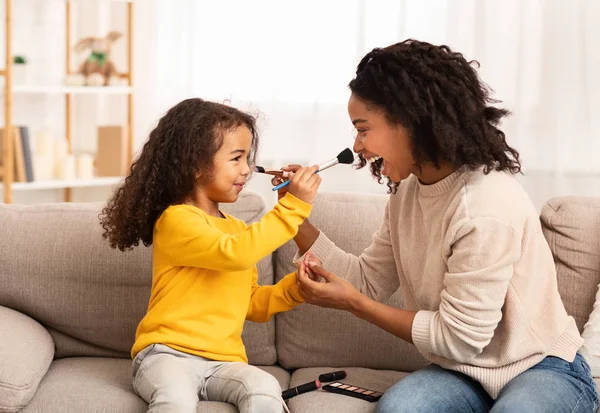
346 156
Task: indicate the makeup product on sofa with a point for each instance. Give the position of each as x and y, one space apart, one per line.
353 391
334 375
263 170
303 388
346 156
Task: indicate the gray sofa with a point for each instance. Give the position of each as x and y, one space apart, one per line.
69 307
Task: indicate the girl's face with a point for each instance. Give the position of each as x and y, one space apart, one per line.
230 171
378 138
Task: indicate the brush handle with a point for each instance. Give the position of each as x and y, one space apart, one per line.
329 164
284 184
281 185
267 171
322 168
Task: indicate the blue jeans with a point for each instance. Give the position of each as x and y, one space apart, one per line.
551 386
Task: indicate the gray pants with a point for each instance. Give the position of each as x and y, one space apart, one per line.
173 381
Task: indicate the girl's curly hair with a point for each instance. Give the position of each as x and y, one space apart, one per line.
178 155
436 94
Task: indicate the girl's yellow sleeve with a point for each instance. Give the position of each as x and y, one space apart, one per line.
188 240
268 300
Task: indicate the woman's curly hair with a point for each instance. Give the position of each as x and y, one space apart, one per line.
436 95
178 155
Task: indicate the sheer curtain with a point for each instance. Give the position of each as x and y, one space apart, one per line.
291 62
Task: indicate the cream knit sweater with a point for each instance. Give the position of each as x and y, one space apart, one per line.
469 256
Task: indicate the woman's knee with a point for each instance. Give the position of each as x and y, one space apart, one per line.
552 385
395 401
433 389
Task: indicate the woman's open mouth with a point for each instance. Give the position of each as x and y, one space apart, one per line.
373 159
379 168
375 162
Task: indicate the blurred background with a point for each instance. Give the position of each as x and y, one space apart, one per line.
290 63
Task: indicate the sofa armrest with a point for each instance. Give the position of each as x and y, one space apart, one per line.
26 352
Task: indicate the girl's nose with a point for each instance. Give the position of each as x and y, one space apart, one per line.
246 171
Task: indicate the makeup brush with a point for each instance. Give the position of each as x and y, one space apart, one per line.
346 156
267 171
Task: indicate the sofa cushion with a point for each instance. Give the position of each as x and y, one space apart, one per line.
57 268
309 335
591 336
87 385
26 351
321 401
94 384
571 226
60 271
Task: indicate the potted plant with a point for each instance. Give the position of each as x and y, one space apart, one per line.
20 70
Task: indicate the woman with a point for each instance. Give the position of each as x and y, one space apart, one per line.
460 238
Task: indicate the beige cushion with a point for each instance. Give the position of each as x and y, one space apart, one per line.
81 384
26 351
57 268
591 336
60 271
321 401
572 227
311 336
85 384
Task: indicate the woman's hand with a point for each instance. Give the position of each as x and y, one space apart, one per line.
309 261
338 293
335 292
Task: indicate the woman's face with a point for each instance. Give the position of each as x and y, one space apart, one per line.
378 138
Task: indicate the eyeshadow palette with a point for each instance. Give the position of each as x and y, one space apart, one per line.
353 391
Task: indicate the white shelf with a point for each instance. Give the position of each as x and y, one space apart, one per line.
75 90
105 1
62 184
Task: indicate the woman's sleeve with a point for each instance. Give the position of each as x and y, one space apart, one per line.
480 269
373 272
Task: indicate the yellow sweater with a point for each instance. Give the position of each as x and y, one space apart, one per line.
205 281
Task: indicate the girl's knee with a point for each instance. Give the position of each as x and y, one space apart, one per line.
263 393
173 400
259 382
260 403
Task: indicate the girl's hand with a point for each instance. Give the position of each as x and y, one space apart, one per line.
335 292
305 183
288 173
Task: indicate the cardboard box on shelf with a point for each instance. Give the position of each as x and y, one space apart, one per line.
111 156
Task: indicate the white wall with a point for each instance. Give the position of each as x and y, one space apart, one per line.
39 34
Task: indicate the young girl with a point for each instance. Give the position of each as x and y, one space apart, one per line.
189 347
462 241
